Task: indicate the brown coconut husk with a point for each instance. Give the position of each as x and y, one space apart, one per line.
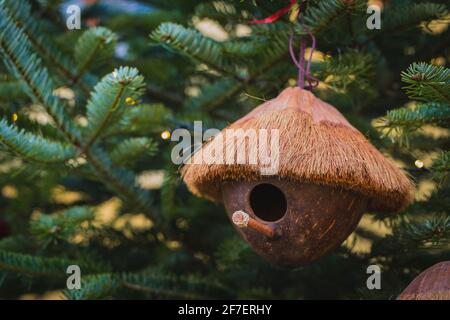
317 145
431 284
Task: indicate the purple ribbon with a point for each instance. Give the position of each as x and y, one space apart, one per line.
303 75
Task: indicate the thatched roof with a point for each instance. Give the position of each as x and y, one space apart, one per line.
316 145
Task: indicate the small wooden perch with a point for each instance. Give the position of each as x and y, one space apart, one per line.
243 220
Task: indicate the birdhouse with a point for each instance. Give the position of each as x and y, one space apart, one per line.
323 175
432 284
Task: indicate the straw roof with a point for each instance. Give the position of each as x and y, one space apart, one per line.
316 145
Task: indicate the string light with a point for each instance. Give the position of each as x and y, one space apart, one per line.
15 117
292 82
130 101
419 164
295 10
165 134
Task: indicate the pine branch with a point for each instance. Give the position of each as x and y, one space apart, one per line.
275 36
269 30
406 16
122 181
46 130
151 282
221 11
12 90
50 4
60 226
213 54
142 120
165 284
131 149
139 24
432 232
407 120
441 166
427 82
321 16
194 45
245 48
20 14
34 148
171 99
94 47
168 192
95 287
26 66
345 69
213 95
108 100
438 201
16 53
230 253
41 266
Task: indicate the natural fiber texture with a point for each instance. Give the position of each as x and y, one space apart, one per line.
316 144
432 284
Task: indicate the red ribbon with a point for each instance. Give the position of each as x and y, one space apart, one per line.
276 15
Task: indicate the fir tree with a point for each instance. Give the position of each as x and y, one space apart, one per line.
87 179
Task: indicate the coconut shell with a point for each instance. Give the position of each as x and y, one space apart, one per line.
317 145
431 284
310 225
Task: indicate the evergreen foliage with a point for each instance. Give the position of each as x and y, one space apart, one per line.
86 178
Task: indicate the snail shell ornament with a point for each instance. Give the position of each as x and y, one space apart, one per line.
327 174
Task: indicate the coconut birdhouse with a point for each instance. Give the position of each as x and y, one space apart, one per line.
432 284
295 177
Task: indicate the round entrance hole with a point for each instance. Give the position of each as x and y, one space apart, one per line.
268 202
